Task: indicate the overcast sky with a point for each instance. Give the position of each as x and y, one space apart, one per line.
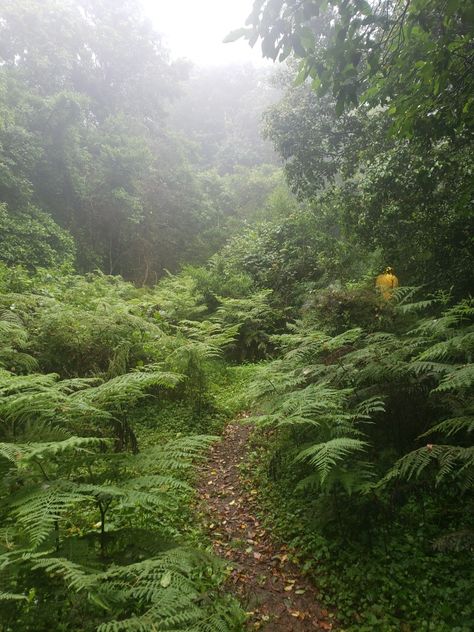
195 29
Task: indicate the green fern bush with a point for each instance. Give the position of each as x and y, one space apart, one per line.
364 455
93 524
347 406
73 505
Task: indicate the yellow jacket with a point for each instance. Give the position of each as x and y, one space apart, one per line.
386 283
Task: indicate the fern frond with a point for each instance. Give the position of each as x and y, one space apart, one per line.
403 294
6 596
459 345
450 462
124 388
418 306
76 577
38 511
325 456
429 368
459 379
452 426
22 454
369 407
177 453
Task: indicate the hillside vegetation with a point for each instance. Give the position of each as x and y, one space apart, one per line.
180 245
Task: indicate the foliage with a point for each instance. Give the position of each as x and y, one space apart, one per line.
386 571
332 386
376 137
296 254
93 516
413 57
350 416
408 201
89 147
220 115
31 238
111 391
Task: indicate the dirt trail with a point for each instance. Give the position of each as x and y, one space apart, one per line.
267 585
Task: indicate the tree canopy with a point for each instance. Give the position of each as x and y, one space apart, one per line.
414 57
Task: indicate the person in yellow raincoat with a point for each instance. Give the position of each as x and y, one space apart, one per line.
386 283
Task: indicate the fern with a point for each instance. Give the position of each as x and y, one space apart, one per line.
14 341
76 577
452 426
23 454
326 387
160 592
451 462
459 379
69 483
325 456
38 511
124 388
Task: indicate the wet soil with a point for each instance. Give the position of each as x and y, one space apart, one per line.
271 588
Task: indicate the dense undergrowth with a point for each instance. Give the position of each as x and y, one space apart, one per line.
107 399
364 456
111 393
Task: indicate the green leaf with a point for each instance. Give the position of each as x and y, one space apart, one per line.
165 579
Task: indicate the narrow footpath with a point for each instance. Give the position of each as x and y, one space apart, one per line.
269 587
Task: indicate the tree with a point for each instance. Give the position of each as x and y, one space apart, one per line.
407 200
31 238
84 136
220 114
414 57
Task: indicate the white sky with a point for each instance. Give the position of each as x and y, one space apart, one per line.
195 29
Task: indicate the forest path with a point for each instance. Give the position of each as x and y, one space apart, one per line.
269 587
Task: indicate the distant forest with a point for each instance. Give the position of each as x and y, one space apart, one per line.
236 321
